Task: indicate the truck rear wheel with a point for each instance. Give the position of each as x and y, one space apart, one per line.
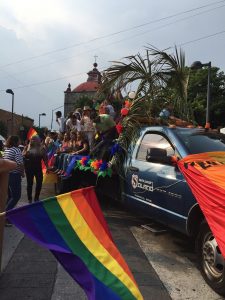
211 261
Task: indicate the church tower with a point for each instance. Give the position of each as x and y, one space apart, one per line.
87 88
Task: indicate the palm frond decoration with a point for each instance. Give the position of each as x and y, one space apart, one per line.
154 75
175 74
131 128
135 68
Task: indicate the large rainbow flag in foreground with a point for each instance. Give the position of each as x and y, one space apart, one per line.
73 228
205 174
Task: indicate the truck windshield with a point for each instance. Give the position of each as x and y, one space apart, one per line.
201 141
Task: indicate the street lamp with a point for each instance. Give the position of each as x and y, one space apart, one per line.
9 91
199 65
43 114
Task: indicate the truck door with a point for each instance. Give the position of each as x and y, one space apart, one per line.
155 187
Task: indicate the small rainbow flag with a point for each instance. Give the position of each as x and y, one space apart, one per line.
32 132
72 226
48 178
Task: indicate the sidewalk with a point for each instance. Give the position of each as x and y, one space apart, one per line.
31 272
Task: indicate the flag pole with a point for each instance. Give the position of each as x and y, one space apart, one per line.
2 214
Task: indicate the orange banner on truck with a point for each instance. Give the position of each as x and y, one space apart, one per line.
205 174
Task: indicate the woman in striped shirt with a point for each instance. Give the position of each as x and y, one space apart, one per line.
13 153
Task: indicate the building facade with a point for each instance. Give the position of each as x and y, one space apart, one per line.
20 123
87 89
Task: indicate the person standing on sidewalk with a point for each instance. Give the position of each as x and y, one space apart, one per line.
33 154
13 153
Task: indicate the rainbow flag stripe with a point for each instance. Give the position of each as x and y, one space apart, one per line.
72 226
48 178
32 132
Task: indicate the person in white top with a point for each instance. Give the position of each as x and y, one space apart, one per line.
61 121
88 127
73 123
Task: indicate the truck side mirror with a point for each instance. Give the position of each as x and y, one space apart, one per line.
158 155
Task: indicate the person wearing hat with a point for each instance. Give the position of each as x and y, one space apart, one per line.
88 127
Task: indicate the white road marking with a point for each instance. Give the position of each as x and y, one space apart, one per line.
179 275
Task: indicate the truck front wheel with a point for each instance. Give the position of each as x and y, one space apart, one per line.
212 263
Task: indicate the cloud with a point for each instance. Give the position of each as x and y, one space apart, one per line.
30 20
32 27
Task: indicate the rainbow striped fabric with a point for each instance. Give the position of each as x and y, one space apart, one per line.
72 226
32 132
48 178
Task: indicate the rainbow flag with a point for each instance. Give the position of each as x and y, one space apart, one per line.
48 178
32 132
73 228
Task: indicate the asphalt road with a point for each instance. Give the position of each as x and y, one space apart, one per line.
173 258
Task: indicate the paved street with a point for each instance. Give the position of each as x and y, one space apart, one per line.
173 258
30 272
164 265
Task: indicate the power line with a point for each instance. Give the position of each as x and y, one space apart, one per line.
45 81
110 35
202 38
121 40
78 74
18 80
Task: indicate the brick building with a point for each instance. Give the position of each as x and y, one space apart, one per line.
21 123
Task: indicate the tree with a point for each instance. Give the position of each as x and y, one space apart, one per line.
197 95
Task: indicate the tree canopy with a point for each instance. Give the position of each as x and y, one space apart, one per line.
197 96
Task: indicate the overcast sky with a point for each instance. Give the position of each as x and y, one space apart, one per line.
56 41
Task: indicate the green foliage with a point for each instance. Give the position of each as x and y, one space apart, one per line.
82 101
163 78
160 77
197 96
131 130
175 77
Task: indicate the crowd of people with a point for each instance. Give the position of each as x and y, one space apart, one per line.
79 134
84 132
